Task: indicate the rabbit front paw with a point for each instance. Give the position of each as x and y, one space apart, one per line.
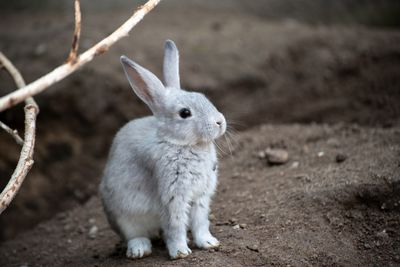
206 241
138 248
178 251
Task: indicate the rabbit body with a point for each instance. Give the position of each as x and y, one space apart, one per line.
160 186
162 170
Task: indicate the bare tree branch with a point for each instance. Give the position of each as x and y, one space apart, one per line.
25 161
13 133
25 93
77 34
66 69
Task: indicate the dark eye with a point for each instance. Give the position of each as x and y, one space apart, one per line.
185 113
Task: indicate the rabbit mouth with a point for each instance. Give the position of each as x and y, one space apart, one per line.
219 132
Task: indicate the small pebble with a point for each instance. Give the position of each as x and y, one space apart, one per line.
233 220
211 217
295 165
253 248
261 154
276 156
243 225
321 154
340 158
93 232
236 227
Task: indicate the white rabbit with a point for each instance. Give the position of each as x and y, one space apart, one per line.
162 169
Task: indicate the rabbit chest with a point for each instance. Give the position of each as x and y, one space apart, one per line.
188 172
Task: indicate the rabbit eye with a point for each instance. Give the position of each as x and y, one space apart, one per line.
185 113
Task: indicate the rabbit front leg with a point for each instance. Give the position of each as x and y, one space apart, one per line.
200 224
175 220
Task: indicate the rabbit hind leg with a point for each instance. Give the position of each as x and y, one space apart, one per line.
137 231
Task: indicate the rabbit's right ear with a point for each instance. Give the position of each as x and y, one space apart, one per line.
145 84
171 65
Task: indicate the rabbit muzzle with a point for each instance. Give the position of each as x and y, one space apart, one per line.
219 125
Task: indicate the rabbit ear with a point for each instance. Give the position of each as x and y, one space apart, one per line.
145 84
171 65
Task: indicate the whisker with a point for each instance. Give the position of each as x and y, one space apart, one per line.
234 140
230 120
232 131
219 149
236 123
233 137
228 143
230 128
222 148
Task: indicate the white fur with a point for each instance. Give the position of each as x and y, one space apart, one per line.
162 169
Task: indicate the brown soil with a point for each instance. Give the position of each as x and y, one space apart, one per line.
342 83
319 213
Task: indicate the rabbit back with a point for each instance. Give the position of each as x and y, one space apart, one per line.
127 185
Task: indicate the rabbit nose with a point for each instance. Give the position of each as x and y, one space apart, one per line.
220 120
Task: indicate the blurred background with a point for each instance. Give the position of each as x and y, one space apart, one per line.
260 61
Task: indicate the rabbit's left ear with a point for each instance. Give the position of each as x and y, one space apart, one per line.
145 84
171 65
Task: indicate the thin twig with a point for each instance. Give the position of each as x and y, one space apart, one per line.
18 79
77 34
66 69
25 161
13 133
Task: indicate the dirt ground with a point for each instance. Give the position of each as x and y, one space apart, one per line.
319 213
281 82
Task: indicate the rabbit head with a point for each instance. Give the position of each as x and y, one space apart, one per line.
183 117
